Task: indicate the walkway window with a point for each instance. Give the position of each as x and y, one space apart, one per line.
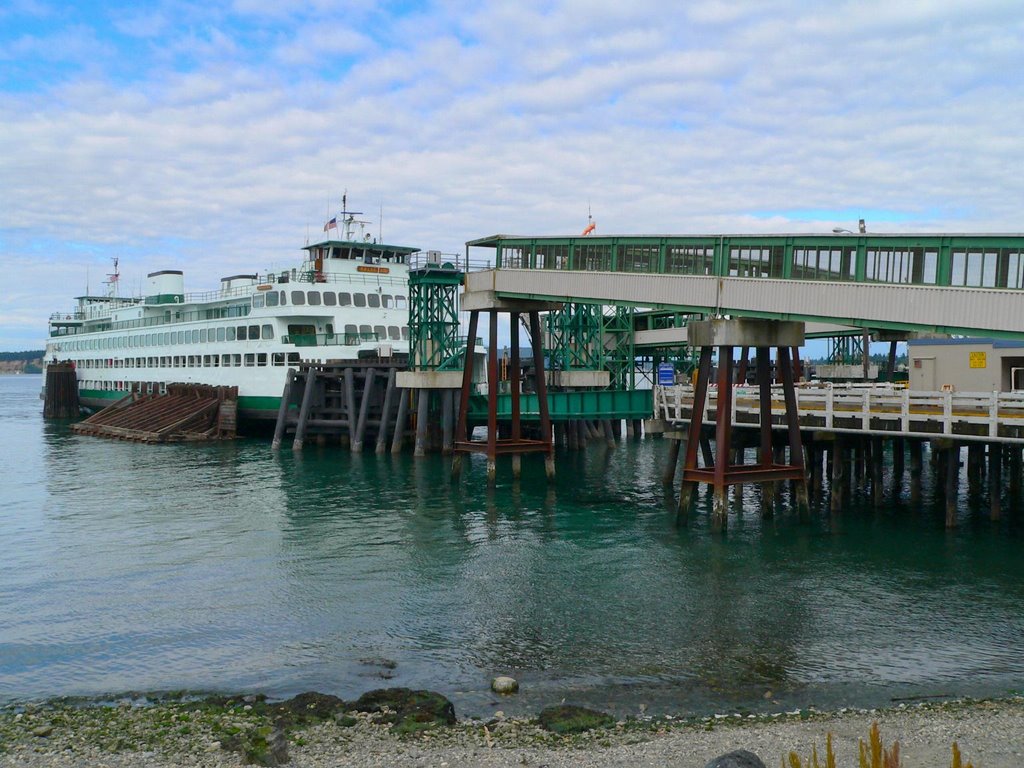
552 257
975 269
594 258
512 258
638 258
755 262
888 265
824 263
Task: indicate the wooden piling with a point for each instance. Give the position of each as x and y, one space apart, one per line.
364 410
385 412
307 403
400 421
668 477
61 399
422 416
995 480
952 465
282 411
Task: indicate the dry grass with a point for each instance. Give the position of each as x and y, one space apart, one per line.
870 755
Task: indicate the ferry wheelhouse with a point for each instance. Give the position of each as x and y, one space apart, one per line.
347 300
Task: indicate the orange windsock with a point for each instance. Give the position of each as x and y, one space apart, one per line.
590 228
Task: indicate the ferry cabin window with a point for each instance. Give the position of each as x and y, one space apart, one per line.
195 336
181 337
261 359
344 299
373 300
203 338
313 298
399 301
405 332
359 299
298 298
268 331
329 328
271 299
220 334
283 296
277 358
330 298
258 301
250 360
254 333
393 333
231 333
350 333
242 336
387 301
380 331
293 358
364 331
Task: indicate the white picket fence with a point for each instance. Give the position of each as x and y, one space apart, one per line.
876 409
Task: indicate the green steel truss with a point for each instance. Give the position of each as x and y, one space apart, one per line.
620 355
575 335
434 342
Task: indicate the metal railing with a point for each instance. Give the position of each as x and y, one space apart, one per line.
882 409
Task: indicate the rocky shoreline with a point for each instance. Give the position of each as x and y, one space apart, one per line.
409 729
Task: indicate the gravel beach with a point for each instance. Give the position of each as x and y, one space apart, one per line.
990 734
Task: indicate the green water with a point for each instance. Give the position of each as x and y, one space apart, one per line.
229 567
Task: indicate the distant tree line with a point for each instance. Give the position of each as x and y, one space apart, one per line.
31 354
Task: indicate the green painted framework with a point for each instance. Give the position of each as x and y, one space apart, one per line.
563 406
434 342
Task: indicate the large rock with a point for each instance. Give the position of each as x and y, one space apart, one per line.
409 711
741 758
307 708
567 718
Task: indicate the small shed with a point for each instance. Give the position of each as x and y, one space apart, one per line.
966 365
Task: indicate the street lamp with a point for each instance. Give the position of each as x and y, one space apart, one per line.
841 231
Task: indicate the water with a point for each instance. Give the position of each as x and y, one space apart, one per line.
227 567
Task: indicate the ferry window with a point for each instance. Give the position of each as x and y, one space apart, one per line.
329 328
344 299
241 333
181 337
261 359
236 360
387 300
220 334
293 358
360 299
272 299
268 331
330 298
174 338
364 331
313 298
284 298
277 358
350 332
393 333
203 338
405 332
230 332
250 360
254 332
380 331
225 360
373 300
298 298
195 336
400 301
258 301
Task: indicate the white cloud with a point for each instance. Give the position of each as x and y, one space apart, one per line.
464 121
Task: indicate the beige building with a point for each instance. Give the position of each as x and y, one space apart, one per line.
966 365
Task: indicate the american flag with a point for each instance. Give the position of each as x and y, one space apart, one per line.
332 224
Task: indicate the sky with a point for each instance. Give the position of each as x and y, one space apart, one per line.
215 137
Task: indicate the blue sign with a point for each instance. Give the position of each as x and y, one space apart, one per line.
666 374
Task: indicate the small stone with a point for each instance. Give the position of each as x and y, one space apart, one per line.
741 758
504 684
42 730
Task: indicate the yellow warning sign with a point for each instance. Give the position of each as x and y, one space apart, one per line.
978 360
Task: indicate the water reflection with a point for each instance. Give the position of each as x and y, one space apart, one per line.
234 567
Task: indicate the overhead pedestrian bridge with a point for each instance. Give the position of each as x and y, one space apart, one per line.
971 284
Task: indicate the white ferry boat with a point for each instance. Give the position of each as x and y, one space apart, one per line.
347 300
